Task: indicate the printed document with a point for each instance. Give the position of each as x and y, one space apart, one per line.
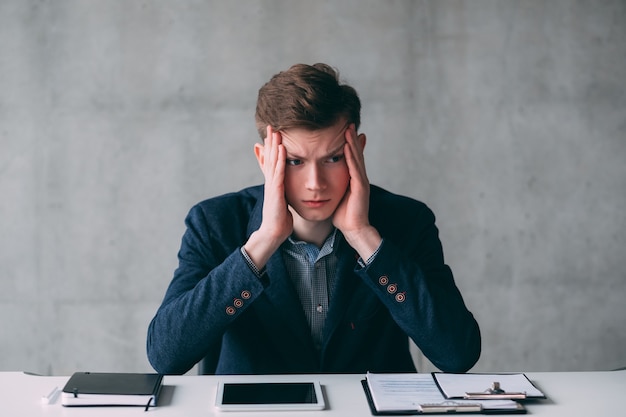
413 391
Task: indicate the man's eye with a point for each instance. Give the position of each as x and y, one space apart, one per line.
294 162
336 158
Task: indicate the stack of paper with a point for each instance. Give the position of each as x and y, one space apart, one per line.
431 393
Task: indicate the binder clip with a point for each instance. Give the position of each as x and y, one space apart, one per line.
495 392
450 407
495 389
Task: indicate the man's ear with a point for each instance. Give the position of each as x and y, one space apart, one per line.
259 152
361 139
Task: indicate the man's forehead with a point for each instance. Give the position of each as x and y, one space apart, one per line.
313 148
331 136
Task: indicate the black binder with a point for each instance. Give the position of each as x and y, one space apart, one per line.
111 389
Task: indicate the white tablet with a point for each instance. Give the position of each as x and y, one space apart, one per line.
269 395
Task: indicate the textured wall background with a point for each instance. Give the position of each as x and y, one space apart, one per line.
508 118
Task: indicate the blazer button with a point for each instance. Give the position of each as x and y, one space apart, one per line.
245 294
392 288
383 280
400 297
238 303
230 310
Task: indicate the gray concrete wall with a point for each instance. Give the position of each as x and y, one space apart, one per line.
508 118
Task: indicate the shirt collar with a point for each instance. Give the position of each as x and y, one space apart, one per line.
313 252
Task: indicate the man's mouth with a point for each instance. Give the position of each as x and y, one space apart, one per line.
314 203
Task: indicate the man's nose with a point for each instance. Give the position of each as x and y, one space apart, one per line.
315 178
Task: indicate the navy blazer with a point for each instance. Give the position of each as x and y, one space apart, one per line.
217 309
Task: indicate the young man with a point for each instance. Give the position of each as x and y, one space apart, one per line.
317 270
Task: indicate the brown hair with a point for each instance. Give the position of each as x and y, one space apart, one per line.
306 96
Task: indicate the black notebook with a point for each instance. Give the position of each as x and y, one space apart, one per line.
110 388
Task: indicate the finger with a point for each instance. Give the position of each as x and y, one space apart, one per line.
267 149
351 140
280 163
279 149
273 152
268 136
354 153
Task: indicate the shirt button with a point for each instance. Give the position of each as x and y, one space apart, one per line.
319 308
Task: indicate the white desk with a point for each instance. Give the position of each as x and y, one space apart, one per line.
569 394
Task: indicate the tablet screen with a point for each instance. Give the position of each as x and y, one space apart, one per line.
270 396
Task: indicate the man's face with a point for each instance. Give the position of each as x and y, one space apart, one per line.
316 173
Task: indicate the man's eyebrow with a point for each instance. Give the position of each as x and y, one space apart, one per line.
334 151
337 149
327 155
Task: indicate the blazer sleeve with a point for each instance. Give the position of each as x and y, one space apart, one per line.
411 279
211 287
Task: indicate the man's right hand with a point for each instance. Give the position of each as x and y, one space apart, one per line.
277 222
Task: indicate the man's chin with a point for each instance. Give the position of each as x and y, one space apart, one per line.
313 215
